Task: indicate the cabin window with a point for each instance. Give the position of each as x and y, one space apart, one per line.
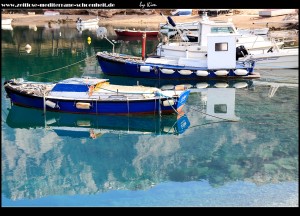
222 30
220 108
221 46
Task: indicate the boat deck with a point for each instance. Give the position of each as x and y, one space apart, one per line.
102 92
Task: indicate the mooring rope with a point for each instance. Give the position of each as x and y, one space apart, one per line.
52 80
208 123
62 67
229 120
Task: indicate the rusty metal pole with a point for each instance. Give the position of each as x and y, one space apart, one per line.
144 46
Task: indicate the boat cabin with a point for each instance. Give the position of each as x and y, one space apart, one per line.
221 51
214 27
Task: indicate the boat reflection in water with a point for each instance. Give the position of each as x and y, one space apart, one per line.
79 125
39 163
193 85
219 104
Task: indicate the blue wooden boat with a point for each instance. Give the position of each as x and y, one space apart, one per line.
89 95
81 125
220 61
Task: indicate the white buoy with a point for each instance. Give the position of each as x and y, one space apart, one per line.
50 104
202 85
185 72
167 87
169 102
187 86
202 73
221 85
240 85
167 71
221 72
179 87
28 48
240 72
145 68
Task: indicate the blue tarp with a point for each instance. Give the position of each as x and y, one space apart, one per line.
70 88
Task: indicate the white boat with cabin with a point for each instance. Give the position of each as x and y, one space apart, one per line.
199 31
275 58
267 54
207 65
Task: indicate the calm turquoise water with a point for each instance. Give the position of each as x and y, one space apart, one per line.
145 161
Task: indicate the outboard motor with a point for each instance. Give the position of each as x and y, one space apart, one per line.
241 51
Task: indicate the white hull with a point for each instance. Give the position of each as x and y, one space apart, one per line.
285 58
6 27
278 63
174 51
275 12
255 42
81 28
250 42
194 51
6 21
90 22
260 31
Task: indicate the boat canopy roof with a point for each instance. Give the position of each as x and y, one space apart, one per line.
76 84
82 81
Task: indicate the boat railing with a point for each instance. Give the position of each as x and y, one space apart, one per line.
274 42
254 41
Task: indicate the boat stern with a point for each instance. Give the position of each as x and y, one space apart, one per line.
182 123
182 100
